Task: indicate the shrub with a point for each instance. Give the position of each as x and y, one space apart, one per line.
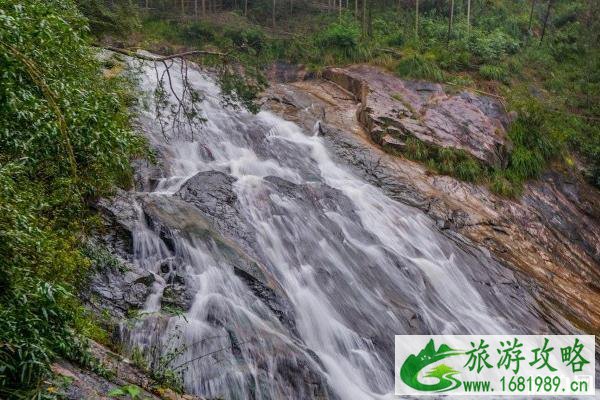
341 37
526 163
468 170
494 72
505 185
453 59
420 66
492 46
415 149
396 39
64 139
110 17
198 32
250 39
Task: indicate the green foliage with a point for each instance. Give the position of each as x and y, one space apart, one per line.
132 392
415 149
241 88
198 32
101 258
342 37
534 139
494 72
505 184
396 39
492 46
55 109
468 170
96 128
39 267
446 161
420 66
249 39
112 17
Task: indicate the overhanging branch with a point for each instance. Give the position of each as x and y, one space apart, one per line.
144 57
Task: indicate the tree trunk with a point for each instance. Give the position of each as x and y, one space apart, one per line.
204 8
370 20
245 8
355 9
546 20
364 16
417 19
196 9
182 7
451 19
340 11
531 16
273 15
468 16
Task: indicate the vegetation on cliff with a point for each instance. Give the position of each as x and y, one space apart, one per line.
64 140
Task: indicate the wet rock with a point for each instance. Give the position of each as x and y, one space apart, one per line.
280 308
119 215
146 175
136 295
176 295
183 217
212 193
118 291
389 105
283 72
392 142
72 382
164 232
165 267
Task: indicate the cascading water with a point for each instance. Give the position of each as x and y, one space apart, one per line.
301 273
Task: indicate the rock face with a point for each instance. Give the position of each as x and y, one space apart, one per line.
211 193
549 237
392 110
76 383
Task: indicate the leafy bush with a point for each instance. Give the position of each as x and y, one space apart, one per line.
341 37
505 185
419 66
247 39
39 267
64 139
492 46
534 138
453 58
198 32
112 17
494 72
396 39
526 163
468 170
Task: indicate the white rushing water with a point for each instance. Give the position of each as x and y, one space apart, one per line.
346 267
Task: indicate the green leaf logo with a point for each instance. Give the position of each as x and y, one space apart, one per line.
413 365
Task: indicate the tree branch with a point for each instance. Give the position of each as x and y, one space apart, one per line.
163 58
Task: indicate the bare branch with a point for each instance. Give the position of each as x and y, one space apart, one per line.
144 57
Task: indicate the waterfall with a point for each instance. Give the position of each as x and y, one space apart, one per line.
299 272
